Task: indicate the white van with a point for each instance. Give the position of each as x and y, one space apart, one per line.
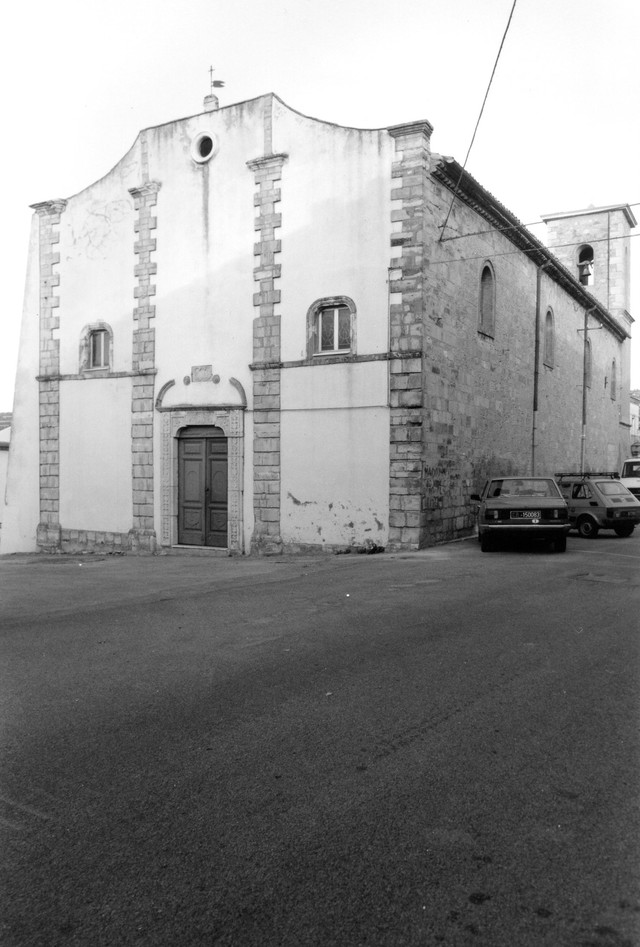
630 475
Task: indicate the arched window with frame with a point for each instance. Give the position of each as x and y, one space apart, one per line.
487 308
549 343
96 347
331 327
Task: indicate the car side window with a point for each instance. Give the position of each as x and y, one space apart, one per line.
580 491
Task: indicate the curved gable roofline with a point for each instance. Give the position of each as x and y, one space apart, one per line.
266 95
323 121
225 108
470 192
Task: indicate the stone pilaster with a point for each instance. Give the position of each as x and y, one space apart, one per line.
142 534
407 507
266 357
48 532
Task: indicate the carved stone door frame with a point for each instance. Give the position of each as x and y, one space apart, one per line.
231 421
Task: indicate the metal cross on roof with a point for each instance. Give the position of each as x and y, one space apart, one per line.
215 83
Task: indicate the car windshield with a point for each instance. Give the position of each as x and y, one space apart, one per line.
612 488
522 487
631 468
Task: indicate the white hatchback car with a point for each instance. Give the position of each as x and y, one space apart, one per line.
599 501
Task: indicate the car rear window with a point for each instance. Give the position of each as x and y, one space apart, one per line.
522 487
611 488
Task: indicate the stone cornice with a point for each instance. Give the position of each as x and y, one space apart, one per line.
266 161
422 127
48 208
149 187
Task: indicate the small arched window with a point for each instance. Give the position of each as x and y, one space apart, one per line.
614 380
549 347
487 314
331 326
585 265
96 347
587 364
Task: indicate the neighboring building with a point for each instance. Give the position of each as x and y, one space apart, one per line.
249 335
5 438
634 412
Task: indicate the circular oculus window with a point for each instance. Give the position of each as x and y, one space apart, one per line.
204 147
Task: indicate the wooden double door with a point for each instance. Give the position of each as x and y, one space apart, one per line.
202 487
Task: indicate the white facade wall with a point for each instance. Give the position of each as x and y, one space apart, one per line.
95 455
336 224
335 455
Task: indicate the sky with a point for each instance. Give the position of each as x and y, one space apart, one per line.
559 130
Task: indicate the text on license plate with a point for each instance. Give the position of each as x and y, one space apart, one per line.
525 514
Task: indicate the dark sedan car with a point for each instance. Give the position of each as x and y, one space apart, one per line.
522 508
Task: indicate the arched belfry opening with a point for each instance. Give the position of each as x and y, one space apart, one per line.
585 265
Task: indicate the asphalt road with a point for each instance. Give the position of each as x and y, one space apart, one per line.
437 748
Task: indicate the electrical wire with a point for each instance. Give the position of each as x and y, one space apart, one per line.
557 246
484 102
534 223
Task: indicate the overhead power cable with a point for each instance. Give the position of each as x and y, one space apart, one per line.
534 223
484 102
557 246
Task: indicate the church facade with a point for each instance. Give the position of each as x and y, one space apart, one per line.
254 334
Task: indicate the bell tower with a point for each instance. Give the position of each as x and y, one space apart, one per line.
593 244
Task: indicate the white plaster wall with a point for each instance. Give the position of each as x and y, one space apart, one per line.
97 263
335 454
205 237
95 455
336 225
22 511
338 385
336 229
335 476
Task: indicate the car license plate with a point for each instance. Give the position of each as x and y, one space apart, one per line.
525 514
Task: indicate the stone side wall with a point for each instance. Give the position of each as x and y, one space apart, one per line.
48 531
479 390
407 507
266 358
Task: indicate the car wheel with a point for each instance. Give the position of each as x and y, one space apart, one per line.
625 530
486 544
560 545
587 527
